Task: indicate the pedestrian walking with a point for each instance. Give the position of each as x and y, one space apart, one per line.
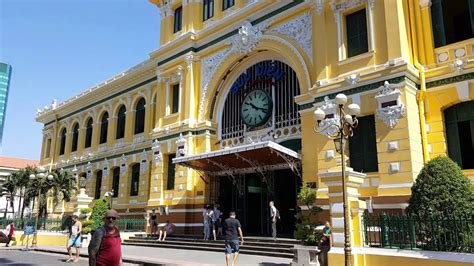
105 248
207 220
216 216
9 232
153 222
274 216
232 231
75 230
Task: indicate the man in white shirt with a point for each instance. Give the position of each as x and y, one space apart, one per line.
274 216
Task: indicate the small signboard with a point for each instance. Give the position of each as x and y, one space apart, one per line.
29 230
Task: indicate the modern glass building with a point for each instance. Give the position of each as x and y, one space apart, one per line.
5 75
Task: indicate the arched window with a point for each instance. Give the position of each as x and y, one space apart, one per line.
104 125
89 127
459 121
120 133
98 184
116 181
75 137
62 147
140 116
135 180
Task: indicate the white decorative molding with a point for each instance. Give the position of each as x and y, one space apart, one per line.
190 59
300 30
341 6
248 37
209 66
157 155
327 125
425 3
89 170
353 79
318 5
390 109
180 146
166 10
394 167
105 168
143 161
393 146
459 65
123 165
138 139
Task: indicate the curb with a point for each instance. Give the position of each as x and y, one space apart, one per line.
124 259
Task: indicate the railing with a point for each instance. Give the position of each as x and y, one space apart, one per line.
131 224
453 233
47 224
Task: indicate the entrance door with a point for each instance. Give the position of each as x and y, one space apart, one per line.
251 204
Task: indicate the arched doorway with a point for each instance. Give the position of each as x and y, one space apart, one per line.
260 107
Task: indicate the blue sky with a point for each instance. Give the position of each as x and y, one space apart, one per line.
59 48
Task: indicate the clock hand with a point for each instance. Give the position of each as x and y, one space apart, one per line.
256 107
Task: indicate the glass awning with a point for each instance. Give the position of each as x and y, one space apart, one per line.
249 158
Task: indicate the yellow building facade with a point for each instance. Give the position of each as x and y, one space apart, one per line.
222 110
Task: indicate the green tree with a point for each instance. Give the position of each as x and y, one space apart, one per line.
306 220
62 187
441 188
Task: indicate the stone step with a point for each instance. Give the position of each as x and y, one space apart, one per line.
247 238
214 244
244 250
248 241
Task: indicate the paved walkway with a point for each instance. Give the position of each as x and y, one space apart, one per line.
167 256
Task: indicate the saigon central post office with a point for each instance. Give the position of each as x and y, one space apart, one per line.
222 111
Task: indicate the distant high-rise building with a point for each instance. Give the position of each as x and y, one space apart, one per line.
5 75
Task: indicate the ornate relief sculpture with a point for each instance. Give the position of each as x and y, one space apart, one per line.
390 109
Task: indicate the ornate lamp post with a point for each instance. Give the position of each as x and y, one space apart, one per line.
42 176
109 195
340 131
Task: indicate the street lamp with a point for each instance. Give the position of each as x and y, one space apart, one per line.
109 195
342 130
42 176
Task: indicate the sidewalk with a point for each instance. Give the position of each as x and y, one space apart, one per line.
167 256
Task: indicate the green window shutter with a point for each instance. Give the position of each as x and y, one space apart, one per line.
437 22
175 102
171 172
135 180
454 149
356 33
363 146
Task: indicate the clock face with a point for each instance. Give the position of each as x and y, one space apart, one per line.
256 108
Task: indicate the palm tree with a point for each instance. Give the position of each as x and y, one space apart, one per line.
11 187
63 186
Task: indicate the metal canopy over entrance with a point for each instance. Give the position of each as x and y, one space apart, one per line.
251 158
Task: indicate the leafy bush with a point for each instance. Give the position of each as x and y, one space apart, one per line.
442 193
441 188
99 210
306 221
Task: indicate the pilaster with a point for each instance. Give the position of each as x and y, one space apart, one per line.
333 180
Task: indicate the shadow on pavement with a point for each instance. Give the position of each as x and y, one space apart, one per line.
4 261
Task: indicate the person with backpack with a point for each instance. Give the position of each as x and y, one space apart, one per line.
105 248
75 230
274 216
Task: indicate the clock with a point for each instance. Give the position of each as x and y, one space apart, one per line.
256 108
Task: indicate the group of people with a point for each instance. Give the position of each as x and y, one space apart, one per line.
212 220
105 247
165 229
